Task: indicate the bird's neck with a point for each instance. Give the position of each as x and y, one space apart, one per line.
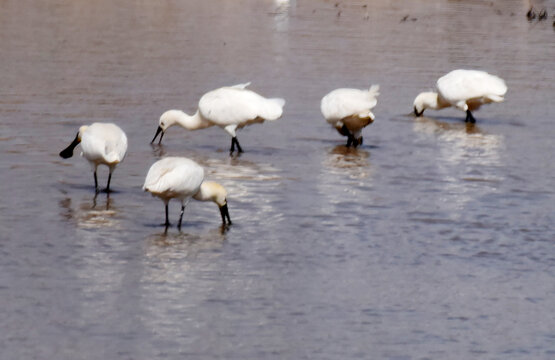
193 122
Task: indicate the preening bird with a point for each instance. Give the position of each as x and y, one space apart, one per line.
183 179
349 111
101 144
230 108
466 90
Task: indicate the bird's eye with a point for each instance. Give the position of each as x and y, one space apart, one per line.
162 123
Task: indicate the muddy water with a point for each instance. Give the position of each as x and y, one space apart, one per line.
434 240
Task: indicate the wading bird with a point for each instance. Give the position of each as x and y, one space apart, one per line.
349 111
183 179
466 90
101 144
230 108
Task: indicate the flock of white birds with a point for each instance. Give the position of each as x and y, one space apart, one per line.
233 107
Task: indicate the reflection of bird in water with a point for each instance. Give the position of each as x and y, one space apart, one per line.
466 90
230 107
349 111
464 142
348 161
430 125
91 214
181 178
186 243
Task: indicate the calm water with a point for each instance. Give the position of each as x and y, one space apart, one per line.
433 241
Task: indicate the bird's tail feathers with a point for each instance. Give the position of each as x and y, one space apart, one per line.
495 98
374 90
274 109
241 86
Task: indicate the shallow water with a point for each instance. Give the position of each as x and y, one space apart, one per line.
434 240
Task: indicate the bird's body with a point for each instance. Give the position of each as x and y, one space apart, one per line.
230 108
101 144
349 111
181 178
466 90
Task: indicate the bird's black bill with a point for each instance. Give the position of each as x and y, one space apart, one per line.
225 214
416 113
68 151
158 131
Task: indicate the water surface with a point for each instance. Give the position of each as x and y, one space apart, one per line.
434 240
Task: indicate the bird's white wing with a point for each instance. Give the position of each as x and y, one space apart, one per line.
229 106
93 144
469 84
174 175
342 103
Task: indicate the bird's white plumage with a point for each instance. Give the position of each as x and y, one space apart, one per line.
465 85
174 177
230 108
103 143
343 103
236 105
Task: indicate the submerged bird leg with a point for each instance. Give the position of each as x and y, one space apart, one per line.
181 216
469 117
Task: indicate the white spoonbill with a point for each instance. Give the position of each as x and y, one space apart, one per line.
230 108
182 178
101 143
349 111
466 90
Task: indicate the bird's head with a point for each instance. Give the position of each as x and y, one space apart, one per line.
424 101
212 191
168 119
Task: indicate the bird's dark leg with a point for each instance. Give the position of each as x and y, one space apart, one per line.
350 140
108 185
95 182
345 132
181 216
167 223
238 146
232 149
234 142
469 117
225 214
